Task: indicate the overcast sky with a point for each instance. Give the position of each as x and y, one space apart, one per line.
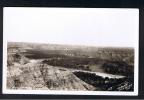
79 26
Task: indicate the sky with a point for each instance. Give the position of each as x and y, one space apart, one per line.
76 26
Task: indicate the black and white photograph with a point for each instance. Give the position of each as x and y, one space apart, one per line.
70 51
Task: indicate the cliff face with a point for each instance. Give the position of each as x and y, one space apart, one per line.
41 76
62 79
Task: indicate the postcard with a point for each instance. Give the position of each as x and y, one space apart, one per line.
70 51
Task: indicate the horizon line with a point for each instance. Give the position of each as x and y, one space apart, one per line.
71 44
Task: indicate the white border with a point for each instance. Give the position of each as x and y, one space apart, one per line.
53 92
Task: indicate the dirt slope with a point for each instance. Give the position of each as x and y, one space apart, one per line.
41 76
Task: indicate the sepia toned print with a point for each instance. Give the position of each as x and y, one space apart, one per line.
70 51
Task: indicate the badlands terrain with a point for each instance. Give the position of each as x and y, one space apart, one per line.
36 66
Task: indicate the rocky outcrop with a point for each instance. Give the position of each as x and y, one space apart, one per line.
62 79
16 58
26 76
42 76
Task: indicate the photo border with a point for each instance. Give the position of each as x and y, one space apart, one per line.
139 4
58 92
